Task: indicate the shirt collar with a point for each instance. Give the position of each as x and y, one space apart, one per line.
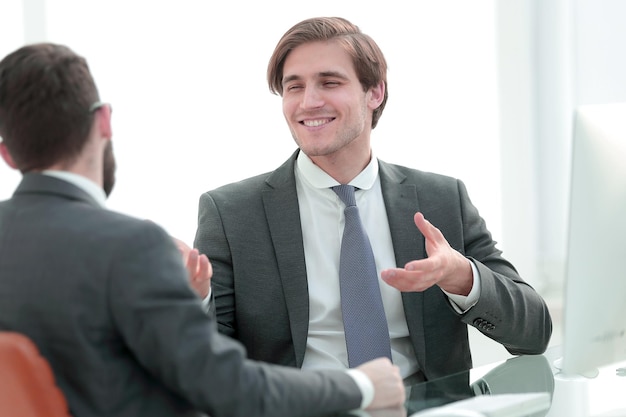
81 182
318 178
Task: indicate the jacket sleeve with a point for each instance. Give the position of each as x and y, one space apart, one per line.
509 310
211 240
165 327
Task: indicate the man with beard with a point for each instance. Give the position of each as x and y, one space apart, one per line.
105 296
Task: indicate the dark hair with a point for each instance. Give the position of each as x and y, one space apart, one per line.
46 91
369 61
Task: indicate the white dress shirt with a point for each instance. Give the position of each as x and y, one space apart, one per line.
322 218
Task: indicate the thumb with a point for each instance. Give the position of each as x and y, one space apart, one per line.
434 237
424 226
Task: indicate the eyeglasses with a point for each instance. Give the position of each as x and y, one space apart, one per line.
98 105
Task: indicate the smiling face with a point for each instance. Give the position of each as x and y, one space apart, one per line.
324 104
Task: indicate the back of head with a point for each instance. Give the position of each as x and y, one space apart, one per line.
369 61
46 91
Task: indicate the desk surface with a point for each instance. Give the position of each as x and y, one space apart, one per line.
572 396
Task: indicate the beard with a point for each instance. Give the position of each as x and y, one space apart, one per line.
108 169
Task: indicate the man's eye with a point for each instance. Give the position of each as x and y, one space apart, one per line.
331 83
293 87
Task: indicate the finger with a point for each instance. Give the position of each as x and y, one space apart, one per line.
406 281
182 248
431 233
424 226
205 270
192 261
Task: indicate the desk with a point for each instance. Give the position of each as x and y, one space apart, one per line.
572 396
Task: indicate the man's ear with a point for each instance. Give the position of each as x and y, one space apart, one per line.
7 156
377 95
104 122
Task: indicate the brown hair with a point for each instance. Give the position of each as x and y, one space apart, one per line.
369 61
46 91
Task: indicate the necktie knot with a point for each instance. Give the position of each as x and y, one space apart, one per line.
346 194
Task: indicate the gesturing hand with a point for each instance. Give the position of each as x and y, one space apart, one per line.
198 267
444 266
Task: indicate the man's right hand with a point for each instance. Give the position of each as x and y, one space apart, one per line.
388 387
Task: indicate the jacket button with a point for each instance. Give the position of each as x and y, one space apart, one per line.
483 324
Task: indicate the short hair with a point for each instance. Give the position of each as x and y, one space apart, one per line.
369 61
46 91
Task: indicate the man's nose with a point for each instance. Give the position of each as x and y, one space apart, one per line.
311 98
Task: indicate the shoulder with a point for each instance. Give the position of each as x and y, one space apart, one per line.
237 196
251 189
246 186
119 230
137 247
402 174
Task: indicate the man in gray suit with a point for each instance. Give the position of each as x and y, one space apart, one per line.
274 240
105 296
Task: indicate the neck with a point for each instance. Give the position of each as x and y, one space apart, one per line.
87 164
345 165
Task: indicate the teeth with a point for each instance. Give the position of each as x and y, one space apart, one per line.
314 123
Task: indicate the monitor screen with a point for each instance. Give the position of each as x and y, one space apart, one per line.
594 333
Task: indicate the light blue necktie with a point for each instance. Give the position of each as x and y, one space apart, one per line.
365 324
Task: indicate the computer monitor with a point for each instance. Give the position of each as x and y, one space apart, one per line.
594 333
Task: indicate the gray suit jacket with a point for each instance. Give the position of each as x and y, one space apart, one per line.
251 232
105 297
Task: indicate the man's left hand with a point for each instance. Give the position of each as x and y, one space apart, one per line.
444 266
198 267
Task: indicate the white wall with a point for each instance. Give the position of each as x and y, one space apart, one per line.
600 60
11 37
192 109
554 56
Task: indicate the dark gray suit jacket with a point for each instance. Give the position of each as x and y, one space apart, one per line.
105 297
251 232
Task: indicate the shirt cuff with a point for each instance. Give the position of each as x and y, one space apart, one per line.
206 302
365 385
463 303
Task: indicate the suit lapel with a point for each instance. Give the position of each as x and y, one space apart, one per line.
283 218
401 203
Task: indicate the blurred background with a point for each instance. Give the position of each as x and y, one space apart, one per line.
482 90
